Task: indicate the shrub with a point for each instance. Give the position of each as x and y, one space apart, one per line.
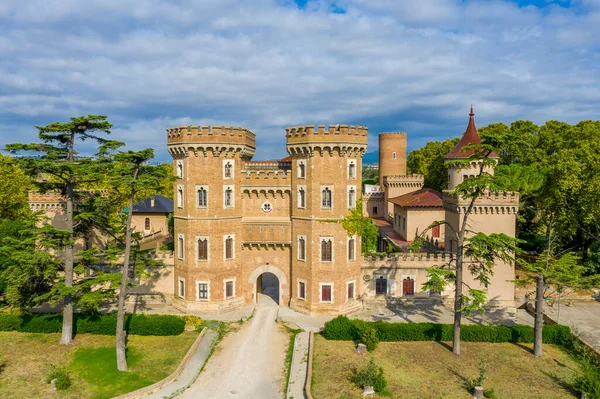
192 322
368 336
588 381
105 324
63 380
340 328
371 375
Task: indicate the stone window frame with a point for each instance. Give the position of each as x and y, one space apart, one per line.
181 287
225 189
231 163
181 246
321 240
353 282
147 224
393 155
197 241
179 168
303 282
299 169
321 285
349 189
351 238
198 188
387 283
352 162
225 237
325 187
198 282
180 196
298 238
301 188
413 277
225 281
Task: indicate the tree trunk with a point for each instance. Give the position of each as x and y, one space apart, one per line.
539 316
67 327
121 335
458 300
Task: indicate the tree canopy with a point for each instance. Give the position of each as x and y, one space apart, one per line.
429 161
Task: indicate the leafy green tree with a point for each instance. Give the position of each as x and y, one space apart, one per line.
130 174
356 223
14 185
429 162
58 167
476 251
29 265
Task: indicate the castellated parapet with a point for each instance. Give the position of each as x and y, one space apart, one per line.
340 139
491 202
216 139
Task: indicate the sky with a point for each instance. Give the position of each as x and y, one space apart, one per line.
392 65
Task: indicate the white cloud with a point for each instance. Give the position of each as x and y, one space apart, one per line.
395 65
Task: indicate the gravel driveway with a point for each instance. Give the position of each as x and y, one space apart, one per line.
247 363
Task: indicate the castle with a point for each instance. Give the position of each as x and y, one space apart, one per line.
239 221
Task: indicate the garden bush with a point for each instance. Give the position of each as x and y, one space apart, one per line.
105 324
368 336
588 381
343 329
63 380
371 376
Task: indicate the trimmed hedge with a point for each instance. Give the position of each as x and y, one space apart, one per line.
343 329
105 324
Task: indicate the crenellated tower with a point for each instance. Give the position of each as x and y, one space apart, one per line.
208 215
326 182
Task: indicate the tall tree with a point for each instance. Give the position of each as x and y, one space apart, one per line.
131 174
14 185
57 166
476 251
429 161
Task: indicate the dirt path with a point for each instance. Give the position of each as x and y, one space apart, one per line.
247 363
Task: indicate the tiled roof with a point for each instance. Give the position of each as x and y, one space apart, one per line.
469 137
162 204
425 197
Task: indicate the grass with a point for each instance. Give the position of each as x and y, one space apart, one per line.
90 361
430 370
289 354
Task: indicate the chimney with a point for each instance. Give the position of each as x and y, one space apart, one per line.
152 202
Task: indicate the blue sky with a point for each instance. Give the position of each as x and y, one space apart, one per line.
413 66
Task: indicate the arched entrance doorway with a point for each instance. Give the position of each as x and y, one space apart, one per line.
268 284
269 280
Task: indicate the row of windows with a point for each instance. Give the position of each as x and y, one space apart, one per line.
326 291
301 169
326 248
327 197
203 289
228 169
202 247
228 197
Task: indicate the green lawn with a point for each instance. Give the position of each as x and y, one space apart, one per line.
430 370
26 358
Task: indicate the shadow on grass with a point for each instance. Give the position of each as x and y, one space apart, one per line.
445 345
524 347
561 383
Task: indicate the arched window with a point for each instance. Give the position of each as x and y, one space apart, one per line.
351 245
352 171
228 170
202 198
351 198
408 286
147 224
203 249
301 197
228 197
326 198
301 248
301 170
393 155
381 285
326 249
229 248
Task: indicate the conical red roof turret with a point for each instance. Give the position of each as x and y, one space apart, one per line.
469 137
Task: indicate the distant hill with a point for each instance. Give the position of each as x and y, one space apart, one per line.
371 158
